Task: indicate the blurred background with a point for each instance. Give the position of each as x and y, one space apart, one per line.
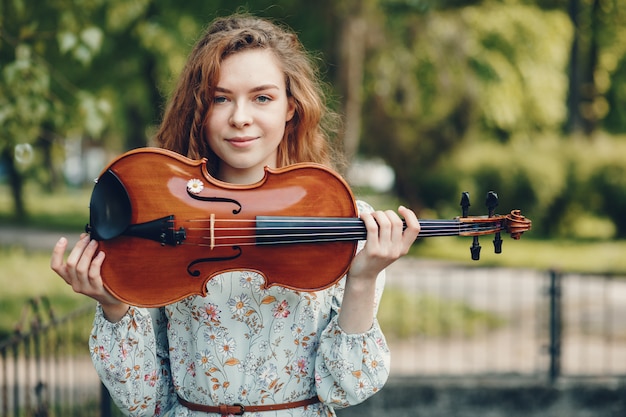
438 97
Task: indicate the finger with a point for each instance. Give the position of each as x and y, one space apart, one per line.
95 267
84 264
397 226
383 220
397 245
371 226
99 292
412 226
77 252
56 260
82 282
411 220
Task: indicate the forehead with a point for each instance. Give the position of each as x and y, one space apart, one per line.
256 66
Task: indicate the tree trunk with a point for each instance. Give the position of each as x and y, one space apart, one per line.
352 57
591 117
16 183
574 123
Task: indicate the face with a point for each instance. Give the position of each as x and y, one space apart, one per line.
247 119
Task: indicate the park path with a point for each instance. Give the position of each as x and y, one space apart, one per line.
32 239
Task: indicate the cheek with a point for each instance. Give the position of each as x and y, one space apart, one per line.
211 126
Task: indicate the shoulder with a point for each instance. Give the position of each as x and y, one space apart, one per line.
363 207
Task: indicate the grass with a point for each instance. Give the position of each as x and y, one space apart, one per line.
27 276
605 257
404 315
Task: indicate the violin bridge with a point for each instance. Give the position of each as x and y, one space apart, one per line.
212 230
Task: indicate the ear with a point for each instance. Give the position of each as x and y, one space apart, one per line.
291 109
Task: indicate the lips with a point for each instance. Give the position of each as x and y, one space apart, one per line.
241 140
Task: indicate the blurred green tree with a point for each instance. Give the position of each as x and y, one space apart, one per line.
39 48
414 79
99 71
438 76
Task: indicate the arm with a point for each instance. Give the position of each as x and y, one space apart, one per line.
353 357
386 242
128 345
81 271
131 357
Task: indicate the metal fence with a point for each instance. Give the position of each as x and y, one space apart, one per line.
547 324
550 324
45 368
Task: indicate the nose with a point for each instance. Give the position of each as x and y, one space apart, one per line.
240 116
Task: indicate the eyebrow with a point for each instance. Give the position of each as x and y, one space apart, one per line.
254 90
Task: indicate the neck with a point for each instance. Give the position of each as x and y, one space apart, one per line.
240 176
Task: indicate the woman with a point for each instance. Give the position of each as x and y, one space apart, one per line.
248 98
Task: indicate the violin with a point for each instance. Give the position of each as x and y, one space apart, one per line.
167 227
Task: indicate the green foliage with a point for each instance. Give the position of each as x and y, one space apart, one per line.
24 276
569 188
24 104
66 210
522 78
35 93
449 73
443 78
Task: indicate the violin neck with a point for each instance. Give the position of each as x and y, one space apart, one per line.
278 229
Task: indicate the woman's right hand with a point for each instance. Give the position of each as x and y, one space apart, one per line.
81 270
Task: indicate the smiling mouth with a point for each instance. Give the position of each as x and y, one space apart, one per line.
241 141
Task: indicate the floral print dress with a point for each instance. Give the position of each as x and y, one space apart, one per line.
240 343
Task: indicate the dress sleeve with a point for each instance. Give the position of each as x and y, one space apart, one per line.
350 368
131 358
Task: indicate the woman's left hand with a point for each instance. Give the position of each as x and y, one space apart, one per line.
387 240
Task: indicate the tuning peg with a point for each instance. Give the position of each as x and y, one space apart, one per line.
475 249
465 203
492 202
497 243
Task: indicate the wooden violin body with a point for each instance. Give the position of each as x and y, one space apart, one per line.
178 206
167 227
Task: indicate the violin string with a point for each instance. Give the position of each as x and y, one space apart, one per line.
252 241
343 225
353 231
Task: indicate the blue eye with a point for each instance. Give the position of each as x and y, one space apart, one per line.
219 99
263 99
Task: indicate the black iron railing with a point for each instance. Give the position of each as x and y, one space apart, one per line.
45 368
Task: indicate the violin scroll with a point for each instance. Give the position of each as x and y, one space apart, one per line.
516 224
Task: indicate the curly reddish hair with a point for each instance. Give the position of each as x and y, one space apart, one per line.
306 137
